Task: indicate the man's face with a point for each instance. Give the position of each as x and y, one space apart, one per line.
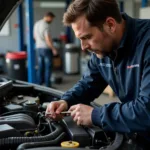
92 38
49 19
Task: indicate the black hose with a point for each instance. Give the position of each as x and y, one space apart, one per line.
42 144
15 141
19 111
116 144
50 126
22 88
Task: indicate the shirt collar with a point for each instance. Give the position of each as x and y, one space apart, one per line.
128 34
126 41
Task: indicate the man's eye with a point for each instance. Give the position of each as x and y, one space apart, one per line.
88 37
85 38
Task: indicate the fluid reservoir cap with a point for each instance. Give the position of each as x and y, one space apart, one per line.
30 103
20 96
70 144
44 105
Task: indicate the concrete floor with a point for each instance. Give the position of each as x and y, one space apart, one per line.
69 80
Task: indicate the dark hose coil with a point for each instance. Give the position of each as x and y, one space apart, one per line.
42 144
14 141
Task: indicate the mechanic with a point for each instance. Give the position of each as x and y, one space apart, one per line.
120 57
45 48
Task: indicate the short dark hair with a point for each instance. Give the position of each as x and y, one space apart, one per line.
49 14
96 11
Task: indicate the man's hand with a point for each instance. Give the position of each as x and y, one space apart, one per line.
55 108
81 114
54 51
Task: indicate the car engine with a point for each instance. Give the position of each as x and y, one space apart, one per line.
23 125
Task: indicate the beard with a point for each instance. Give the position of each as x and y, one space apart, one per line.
48 22
98 53
108 51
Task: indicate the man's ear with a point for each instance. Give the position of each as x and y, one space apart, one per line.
111 24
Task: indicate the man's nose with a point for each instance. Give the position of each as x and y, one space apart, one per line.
84 47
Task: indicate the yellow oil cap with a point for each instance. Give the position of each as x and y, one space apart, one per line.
70 144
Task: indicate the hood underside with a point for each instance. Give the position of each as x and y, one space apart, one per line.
7 7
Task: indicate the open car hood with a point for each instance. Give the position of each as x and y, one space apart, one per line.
7 7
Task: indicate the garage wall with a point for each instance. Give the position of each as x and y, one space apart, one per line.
56 25
9 43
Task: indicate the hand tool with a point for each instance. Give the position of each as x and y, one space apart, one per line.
63 112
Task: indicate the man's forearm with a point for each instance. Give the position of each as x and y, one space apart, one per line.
50 45
49 42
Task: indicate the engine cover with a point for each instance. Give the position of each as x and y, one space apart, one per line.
21 122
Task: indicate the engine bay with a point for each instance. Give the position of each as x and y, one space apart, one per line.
23 125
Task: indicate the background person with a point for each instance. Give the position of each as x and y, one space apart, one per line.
45 48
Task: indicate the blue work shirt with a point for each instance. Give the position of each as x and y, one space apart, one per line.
127 71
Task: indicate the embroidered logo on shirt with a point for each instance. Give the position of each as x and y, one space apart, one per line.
133 66
105 65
